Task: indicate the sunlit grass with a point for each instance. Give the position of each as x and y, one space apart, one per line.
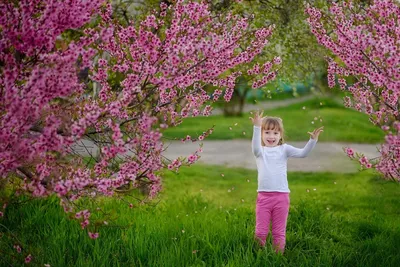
207 219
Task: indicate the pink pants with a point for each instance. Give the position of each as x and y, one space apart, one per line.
272 207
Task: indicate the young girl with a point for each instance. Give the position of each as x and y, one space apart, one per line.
273 192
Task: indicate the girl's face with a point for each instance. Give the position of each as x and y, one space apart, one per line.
271 137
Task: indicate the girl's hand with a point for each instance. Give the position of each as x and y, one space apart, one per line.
316 132
257 120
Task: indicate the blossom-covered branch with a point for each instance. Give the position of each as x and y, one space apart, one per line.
365 41
142 78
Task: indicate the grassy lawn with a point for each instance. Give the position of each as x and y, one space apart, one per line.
206 217
341 124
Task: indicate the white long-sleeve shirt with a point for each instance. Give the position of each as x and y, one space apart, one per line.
272 162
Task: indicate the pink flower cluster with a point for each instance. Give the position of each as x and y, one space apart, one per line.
84 216
390 150
365 39
17 248
365 162
175 164
28 258
93 235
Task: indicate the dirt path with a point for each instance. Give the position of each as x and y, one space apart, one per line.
326 156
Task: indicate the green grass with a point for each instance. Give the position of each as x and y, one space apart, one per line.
340 124
361 227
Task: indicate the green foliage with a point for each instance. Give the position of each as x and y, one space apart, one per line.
292 39
341 124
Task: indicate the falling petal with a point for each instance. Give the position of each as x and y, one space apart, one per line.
223 175
304 107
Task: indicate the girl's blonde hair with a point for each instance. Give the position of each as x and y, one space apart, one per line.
273 123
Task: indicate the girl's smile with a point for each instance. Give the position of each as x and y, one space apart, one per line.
271 137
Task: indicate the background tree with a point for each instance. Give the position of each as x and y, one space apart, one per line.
302 57
364 40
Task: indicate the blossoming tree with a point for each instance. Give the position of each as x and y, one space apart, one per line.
150 77
365 41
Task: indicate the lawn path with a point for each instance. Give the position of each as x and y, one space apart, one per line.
326 156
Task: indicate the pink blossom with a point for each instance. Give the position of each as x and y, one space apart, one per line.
28 258
363 160
93 235
18 248
277 60
349 152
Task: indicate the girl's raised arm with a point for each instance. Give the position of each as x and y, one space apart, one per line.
295 152
256 141
303 152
